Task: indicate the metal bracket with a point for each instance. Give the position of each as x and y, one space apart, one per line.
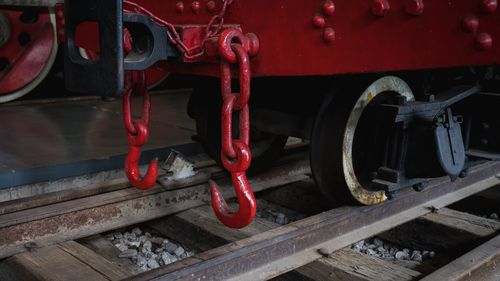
105 76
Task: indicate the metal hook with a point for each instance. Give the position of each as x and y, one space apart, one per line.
247 205
138 133
244 193
132 160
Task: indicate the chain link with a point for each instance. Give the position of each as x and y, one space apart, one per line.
137 131
174 37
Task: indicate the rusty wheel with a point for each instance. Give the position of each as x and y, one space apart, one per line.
348 138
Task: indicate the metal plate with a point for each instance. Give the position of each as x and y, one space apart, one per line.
51 141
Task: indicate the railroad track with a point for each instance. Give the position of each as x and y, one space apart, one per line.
57 236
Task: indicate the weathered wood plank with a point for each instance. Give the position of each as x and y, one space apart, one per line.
482 263
83 217
106 249
108 269
342 265
49 263
285 248
457 230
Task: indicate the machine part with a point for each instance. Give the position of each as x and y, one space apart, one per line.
105 76
29 53
154 76
449 144
235 154
138 133
334 140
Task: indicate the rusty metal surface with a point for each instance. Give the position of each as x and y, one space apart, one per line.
285 248
96 214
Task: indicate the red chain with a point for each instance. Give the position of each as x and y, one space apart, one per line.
173 35
138 131
235 155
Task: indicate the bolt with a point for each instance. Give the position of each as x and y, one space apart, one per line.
328 8
415 7
324 252
254 44
470 23
488 6
195 7
211 6
179 7
484 141
318 21
464 173
484 41
380 7
420 186
485 125
328 35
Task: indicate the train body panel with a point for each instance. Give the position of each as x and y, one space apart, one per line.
444 35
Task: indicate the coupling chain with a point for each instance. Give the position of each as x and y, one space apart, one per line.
235 154
137 131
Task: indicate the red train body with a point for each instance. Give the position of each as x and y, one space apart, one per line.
386 134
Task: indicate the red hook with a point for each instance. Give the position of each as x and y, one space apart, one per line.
246 199
138 133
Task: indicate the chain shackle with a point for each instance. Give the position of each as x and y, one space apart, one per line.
138 132
236 156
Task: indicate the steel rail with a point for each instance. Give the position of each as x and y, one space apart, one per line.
73 219
285 248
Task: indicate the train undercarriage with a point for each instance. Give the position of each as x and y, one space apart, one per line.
372 131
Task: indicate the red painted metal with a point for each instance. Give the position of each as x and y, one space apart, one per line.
415 7
292 36
138 132
484 41
488 6
235 154
470 23
28 50
380 7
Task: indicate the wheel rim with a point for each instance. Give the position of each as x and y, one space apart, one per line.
29 64
382 85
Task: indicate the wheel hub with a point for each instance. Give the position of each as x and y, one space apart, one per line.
4 29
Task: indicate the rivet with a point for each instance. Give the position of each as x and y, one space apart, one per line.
195 7
484 41
380 7
211 6
488 6
470 23
179 7
415 7
318 21
328 8
328 35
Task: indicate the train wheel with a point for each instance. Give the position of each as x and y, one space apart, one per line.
348 139
28 49
205 109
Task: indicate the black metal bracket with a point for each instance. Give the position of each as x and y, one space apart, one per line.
448 140
105 77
